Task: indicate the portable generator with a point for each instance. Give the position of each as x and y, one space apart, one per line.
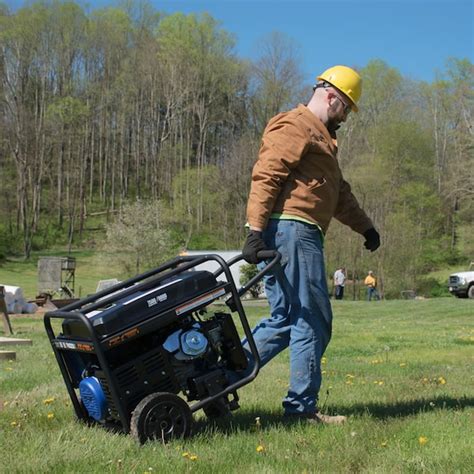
134 355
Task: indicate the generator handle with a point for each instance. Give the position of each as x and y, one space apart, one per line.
262 255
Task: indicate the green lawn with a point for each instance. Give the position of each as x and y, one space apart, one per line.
401 370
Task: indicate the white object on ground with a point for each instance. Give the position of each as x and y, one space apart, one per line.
16 302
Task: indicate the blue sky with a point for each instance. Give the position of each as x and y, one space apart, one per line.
414 36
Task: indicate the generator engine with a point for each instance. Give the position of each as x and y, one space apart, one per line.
195 359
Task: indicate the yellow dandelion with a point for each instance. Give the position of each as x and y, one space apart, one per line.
323 360
323 372
384 444
403 364
422 440
381 382
186 455
48 401
350 376
376 382
50 416
441 380
13 423
260 448
193 457
5 403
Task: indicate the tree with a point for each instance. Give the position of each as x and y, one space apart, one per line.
449 111
26 80
248 271
276 78
139 239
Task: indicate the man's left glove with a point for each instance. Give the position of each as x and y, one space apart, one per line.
252 246
372 239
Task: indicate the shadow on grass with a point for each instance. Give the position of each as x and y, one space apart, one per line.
246 420
407 407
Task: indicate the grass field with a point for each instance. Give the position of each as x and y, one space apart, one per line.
401 370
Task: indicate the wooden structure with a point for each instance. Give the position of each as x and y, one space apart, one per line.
57 275
7 327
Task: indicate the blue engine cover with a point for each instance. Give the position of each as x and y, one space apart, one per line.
93 398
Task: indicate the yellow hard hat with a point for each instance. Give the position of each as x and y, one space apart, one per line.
346 80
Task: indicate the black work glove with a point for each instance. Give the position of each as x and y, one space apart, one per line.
252 246
372 239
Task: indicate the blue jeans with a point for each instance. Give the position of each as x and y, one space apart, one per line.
372 292
301 315
339 292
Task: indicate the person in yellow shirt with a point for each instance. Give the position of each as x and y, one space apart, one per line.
371 283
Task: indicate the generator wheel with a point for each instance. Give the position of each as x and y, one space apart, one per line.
161 416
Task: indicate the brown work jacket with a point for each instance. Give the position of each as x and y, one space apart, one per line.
297 173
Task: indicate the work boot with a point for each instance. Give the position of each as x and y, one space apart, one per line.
317 418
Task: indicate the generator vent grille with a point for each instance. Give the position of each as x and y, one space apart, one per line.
127 375
154 362
148 373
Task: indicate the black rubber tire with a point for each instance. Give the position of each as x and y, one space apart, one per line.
161 416
470 292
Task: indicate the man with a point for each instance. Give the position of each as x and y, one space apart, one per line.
339 279
297 187
371 283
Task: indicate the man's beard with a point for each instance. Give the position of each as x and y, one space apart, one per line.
334 121
332 125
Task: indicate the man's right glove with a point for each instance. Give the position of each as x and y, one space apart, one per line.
372 239
252 246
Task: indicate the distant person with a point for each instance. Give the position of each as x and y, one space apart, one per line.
297 188
339 279
371 283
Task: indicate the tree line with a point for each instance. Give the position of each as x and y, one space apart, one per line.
105 108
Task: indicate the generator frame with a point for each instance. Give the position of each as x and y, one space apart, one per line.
95 344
